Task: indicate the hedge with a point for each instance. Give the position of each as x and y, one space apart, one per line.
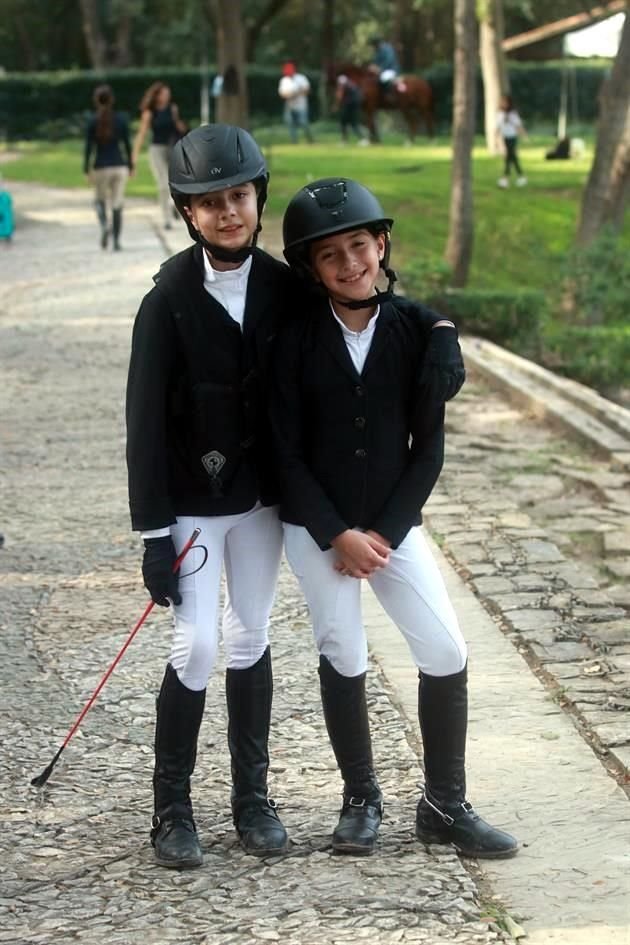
515 320
54 104
597 355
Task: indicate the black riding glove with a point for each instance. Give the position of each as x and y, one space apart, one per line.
157 570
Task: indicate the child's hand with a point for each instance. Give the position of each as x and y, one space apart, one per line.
360 553
378 537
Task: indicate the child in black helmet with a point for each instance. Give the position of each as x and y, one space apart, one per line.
359 387
197 453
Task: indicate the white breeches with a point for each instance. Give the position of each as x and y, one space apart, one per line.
250 546
410 589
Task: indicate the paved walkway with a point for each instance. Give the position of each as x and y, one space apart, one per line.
76 863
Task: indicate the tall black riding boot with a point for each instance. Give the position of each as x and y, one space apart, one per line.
179 714
249 694
346 716
117 227
443 814
101 213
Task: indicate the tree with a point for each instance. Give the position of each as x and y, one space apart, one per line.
94 38
461 229
606 190
233 103
493 67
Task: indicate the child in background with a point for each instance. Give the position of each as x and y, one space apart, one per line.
509 127
107 135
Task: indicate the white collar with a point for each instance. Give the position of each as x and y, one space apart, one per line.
348 331
225 275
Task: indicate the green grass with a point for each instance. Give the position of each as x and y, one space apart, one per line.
521 235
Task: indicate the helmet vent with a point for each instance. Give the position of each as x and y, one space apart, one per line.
330 196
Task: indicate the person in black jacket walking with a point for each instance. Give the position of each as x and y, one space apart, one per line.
359 387
107 137
198 455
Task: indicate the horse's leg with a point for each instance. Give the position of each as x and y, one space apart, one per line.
412 124
370 120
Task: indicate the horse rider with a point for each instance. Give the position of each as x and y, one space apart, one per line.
385 63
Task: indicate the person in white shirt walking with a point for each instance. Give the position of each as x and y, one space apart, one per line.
509 127
294 89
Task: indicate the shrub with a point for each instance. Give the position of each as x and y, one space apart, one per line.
36 105
597 355
596 284
28 101
512 319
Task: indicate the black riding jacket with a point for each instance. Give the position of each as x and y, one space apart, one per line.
198 437
362 450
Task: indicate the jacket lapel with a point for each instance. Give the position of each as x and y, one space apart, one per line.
332 338
261 294
382 331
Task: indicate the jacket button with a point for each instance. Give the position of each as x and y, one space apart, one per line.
359 423
360 454
358 391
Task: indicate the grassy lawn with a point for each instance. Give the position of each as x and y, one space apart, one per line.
521 234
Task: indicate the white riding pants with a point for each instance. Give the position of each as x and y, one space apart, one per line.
410 589
249 545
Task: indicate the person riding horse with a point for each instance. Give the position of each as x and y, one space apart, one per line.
385 64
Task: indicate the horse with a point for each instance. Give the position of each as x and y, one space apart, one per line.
411 95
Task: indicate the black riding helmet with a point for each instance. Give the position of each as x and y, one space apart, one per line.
214 157
328 206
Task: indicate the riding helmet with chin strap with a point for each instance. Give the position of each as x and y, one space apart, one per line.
216 157
330 206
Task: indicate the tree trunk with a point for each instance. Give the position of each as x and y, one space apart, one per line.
29 54
122 45
94 38
493 67
233 103
328 55
620 192
461 232
606 181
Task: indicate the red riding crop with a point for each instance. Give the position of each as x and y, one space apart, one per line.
41 779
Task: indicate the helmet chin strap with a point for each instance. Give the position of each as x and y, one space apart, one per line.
229 255
226 255
378 297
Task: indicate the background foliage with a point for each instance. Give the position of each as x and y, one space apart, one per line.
54 104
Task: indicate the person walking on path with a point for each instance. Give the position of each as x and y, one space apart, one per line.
107 137
509 127
359 388
160 115
294 89
197 452
348 95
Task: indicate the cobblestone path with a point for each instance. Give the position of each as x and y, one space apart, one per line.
77 866
541 528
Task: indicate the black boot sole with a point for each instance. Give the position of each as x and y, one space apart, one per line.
179 864
273 851
352 849
427 837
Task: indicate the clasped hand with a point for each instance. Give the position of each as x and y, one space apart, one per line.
360 553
